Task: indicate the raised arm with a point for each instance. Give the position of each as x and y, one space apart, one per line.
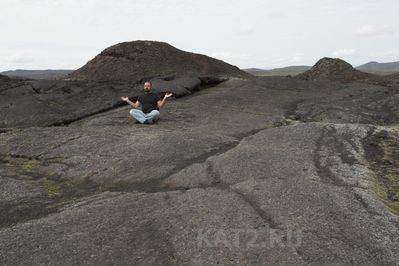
161 103
132 104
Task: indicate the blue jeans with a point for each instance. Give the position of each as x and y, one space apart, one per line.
141 117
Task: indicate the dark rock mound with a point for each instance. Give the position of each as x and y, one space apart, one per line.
335 69
133 61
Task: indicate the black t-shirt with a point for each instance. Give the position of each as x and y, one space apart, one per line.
149 102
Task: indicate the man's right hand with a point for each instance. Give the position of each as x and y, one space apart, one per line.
125 98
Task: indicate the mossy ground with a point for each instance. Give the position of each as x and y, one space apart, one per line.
58 188
385 163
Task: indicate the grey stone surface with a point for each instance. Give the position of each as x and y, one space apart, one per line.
193 227
325 186
268 157
12 189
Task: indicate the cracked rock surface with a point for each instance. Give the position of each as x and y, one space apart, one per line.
272 170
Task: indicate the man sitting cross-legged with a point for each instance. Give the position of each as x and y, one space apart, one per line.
150 104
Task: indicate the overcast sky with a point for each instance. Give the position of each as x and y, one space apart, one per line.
65 34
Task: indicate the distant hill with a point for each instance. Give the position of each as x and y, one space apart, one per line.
380 68
38 74
132 61
284 71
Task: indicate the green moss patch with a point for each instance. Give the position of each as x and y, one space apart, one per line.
382 151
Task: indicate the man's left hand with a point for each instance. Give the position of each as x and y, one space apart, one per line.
168 95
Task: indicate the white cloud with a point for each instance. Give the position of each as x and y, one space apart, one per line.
16 57
245 30
343 52
252 34
296 59
372 30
